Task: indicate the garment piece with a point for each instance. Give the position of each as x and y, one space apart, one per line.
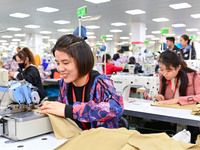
103 107
157 141
177 106
110 68
123 139
31 74
198 140
192 92
98 139
196 110
11 65
64 128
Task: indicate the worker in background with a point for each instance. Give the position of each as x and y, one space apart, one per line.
11 64
86 96
170 44
28 71
110 68
178 83
18 49
116 56
185 51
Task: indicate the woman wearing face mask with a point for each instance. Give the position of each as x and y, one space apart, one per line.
28 71
86 96
185 51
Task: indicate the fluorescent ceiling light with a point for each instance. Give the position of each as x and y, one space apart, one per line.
13 29
45 37
195 16
19 15
23 42
89 33
118 24
52 40
3 41
97 1
160 19
125 42
109 39
5 44
145 28
156 32
124 38
170 34
61 22
47 9
23 45
108 35
152 42
180 6
13 43
45 32
20 35
178 25
32 26
92 27
192 29
150 36
63 30
119 43
135 12
16 40
99 43
130 33
91 37
155 38
6 36
115 30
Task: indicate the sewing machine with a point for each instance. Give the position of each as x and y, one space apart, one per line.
123 84
17 98
194 64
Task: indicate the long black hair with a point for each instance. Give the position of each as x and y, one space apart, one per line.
172 59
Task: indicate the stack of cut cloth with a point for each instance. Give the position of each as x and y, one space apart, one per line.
112 139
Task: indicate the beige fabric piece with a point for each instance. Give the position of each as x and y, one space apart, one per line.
63 128
198 140
196 110
123 139
98 139
177 106
159 141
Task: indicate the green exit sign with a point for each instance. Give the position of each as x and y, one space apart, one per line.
103 37
164 31
192 37
82 11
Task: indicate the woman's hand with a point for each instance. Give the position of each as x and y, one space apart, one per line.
169 102
160 97
55 108
11 75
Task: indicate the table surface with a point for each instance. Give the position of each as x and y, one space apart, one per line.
35 143
142 108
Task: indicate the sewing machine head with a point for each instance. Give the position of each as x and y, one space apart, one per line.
124 83
15 96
